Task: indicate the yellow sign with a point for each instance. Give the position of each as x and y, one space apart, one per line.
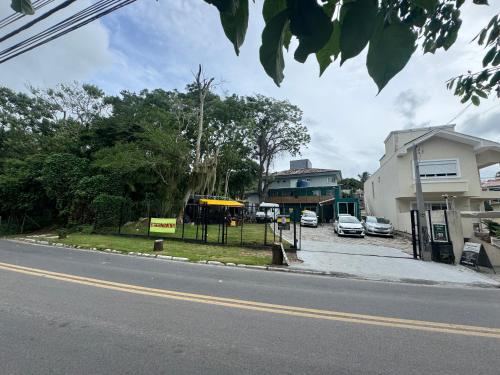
160 225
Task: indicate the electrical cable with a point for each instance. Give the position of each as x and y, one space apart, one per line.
38 19
38 4
72 23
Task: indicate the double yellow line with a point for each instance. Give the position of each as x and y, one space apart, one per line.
264 307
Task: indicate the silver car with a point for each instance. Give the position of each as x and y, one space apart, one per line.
378 226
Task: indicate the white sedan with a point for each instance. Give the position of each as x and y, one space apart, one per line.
348 225
309 218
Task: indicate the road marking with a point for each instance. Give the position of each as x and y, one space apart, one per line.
263 307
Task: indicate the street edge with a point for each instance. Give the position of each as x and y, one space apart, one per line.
247 266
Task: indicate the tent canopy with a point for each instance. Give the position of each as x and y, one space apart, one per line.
221 202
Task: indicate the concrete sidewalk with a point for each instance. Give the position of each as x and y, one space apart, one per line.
383 263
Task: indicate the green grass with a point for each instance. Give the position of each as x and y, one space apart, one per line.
192 251
253 234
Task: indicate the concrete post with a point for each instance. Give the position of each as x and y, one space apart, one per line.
456 233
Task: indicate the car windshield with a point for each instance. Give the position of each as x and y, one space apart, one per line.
309 214
348 219
377 220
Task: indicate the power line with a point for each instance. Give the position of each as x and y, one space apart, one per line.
68 25
38 4
38 19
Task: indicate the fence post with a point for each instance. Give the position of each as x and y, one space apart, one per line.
242 222
120 219
149 218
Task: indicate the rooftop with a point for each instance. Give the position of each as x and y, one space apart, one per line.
304 171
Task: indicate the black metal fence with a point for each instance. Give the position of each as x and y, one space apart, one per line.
236 226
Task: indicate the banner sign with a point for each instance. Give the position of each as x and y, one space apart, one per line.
161 225
474 255
439 232
283 222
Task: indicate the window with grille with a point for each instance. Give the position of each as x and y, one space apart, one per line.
438 168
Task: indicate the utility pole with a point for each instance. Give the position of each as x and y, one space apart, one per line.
423 230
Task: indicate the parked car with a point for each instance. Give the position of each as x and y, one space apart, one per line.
348 225
378 226
309 218
268 212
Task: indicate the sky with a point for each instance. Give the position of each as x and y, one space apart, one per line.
159 44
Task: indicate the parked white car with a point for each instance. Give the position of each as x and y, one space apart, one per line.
309 219
378 226
348 225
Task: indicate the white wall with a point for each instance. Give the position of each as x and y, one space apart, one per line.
315 181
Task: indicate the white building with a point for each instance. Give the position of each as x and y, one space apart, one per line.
449 165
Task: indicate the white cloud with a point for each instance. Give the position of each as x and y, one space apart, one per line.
72 57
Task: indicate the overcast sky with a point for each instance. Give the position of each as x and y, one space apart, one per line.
158 44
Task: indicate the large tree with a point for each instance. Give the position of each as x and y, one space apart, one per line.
276 128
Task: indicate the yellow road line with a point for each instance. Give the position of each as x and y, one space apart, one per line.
264 307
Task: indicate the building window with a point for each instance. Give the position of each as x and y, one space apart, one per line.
431 206
438 168
330 180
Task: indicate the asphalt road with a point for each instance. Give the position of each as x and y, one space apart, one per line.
60 314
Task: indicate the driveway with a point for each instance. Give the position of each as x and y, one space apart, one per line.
376 258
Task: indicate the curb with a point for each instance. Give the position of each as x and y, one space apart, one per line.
246 266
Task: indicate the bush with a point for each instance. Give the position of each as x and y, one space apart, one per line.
107 210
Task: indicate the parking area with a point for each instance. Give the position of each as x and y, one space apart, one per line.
375 258
325 233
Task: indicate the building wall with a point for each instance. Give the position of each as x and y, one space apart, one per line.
314 181
390 191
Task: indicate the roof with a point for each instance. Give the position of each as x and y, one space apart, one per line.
221 202
413 130
479 144
304 171
490 183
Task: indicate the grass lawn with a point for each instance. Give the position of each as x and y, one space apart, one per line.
192 251
252 234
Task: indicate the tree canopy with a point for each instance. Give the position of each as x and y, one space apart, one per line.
72 154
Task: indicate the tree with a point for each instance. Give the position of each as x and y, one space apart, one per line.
363 177
350 184
275 129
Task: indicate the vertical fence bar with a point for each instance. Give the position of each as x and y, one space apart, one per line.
120 219
447 228
149 219
242 222
430 226
413 235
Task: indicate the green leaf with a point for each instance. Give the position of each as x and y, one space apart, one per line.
480 2
390 49
489 56
358 21
496 60
310 24
475 100
429 5
224 6
332 48
482 35
482 94
329 7
495 79
272 8
22 6
271 50
235 25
